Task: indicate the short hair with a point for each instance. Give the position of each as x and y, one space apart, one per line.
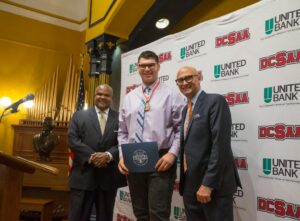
148 55
106 86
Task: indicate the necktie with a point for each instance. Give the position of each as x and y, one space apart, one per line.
188 117
187 122
102 121
140 118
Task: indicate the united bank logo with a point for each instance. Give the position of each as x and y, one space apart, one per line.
237 199
282 94
279 132
125 196
163 78
278 207
192 50
232 38
133 68
285 21
285 169
279 60
236 98
229 70
179 213
237 130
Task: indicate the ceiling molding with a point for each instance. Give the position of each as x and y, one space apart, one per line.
43 16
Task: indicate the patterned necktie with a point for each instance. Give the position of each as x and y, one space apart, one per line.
102 121
187 122
140 117
188 117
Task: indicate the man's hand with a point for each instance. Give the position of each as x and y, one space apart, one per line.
204 194
165 162
99 159
122 168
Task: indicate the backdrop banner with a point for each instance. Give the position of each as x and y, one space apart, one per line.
252 58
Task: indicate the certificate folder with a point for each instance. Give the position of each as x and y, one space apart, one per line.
140 157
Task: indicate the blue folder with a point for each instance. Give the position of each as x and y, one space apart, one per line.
140 157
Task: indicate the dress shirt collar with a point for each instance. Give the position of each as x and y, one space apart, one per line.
151 86
194 99
105 111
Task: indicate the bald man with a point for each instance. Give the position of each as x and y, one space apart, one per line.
208 176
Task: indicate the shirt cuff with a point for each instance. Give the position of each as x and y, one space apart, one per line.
109 155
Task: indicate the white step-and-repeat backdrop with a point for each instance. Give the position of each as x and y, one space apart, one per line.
252 57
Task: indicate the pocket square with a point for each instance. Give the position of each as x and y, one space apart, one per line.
196 116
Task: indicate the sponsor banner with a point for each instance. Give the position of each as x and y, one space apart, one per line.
237 98
278 208
283 94
178 213
195 49
121 217
281 169
238 198
251 57
232 38
280 59
241 163
238 132
283 23
133 69
230 70
279 131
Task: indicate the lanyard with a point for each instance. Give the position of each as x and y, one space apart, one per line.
148 97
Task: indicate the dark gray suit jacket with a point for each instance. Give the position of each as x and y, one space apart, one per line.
207 147
84 139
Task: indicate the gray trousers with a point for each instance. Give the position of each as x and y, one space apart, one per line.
151 194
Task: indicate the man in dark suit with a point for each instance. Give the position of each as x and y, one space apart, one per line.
94 178
208 176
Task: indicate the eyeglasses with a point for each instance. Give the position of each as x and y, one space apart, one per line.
144 66
188 79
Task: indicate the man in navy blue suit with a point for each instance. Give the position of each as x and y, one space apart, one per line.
208 176
94 179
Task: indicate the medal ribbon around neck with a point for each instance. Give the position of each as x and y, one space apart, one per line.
147 98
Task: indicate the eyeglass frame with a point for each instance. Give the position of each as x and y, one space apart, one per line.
188 79
150 66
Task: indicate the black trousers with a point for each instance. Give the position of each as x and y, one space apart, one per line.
151 194
218 209
81 204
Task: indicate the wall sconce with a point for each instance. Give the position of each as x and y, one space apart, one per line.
28 104
5 101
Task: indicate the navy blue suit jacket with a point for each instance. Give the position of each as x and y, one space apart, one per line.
84 139
207 147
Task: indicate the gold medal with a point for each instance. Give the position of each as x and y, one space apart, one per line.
147 106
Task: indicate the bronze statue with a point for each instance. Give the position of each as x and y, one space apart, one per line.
44 142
